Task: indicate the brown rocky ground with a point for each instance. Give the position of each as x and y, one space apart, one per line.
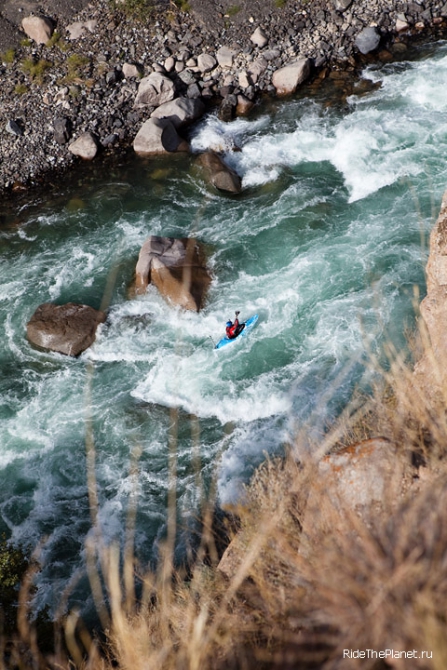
78 83
12 13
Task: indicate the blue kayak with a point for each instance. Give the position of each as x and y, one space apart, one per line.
248 326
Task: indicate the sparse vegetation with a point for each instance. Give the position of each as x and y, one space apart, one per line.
138 9
233 10
183 5
13 567
36 69
21 89
78 67
54 39
26 42
280 3
8 56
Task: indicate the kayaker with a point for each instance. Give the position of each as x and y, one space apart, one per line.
233 328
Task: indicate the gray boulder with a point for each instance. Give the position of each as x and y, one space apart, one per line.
225 57
342 5
206 62
176 267
154 90
367 40
13 128
227 108
132 70
86 147
180 111
365 479
62 130
259 38
158 136
219 174
287 79
244 105
38 28
68 329
257 68
78 29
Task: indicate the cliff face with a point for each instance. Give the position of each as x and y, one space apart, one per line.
431 370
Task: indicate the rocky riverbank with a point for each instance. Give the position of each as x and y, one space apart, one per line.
84 74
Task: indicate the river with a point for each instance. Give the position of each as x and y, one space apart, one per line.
326 243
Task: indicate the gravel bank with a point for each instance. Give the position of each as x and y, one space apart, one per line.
86 78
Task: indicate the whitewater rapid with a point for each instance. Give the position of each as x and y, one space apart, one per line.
325 243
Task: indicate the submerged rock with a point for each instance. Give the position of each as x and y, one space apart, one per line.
176 267
219 174
68 329
244 106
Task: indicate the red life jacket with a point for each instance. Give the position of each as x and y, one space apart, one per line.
231 330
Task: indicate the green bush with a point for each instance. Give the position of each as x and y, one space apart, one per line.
139 9
36 69
233 10
13 567
8 56
54 39
183 5
76 67
20 89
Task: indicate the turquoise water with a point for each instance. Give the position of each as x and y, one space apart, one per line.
326 244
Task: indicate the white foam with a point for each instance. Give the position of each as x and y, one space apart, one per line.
371 147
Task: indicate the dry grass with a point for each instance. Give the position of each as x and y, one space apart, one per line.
286 597
371 579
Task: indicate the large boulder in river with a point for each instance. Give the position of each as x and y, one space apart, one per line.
68 329
219 174
154 90
287 79
180 111
158 136
38 28
176 267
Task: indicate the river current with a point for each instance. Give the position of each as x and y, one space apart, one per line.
326 243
